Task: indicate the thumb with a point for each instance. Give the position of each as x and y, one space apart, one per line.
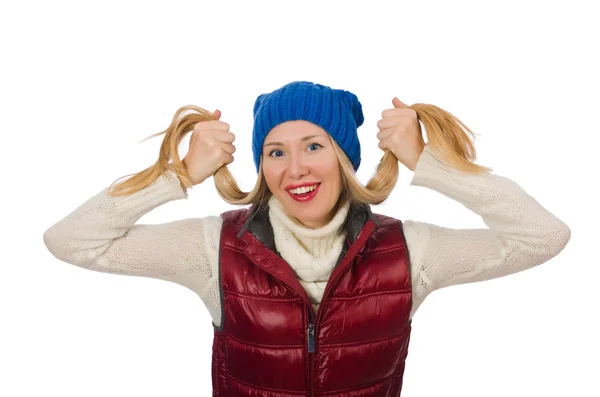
216 114
397 103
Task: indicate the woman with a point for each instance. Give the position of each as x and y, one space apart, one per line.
309 291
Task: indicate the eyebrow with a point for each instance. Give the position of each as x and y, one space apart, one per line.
306 138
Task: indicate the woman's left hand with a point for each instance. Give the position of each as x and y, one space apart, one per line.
400 132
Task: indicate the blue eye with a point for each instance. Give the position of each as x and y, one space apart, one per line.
276 150
279 150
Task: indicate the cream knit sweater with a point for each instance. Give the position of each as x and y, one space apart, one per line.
102 235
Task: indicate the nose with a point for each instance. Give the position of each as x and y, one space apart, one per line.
297 167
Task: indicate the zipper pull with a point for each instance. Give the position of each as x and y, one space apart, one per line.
311 338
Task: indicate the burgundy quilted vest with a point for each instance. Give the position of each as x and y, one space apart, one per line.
272 344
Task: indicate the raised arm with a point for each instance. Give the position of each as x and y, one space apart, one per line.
521 234
101 235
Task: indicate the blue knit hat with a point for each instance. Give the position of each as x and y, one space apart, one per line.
336 111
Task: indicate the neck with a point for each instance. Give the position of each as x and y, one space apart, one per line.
321 222
316 241
336 219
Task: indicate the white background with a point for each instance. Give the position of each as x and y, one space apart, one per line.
82 83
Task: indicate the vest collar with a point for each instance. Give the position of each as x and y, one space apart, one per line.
259 225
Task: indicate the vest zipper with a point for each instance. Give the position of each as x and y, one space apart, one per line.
311 349
311 334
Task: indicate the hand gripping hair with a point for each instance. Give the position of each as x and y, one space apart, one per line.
338 112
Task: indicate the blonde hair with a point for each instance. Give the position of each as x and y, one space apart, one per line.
446 139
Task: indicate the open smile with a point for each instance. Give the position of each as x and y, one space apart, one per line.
304 194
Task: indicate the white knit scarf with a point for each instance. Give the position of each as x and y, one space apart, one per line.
312 253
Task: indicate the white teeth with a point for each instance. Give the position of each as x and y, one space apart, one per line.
304 189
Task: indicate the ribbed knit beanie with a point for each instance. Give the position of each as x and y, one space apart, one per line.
338 112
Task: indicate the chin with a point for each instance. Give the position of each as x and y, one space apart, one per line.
310 217
306 214
313 213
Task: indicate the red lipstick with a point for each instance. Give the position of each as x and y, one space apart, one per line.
305 196
288 187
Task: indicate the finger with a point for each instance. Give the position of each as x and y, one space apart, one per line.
388 122
212 125
228 147
384 145
397 112
216 115
398 103
223 136
388 143
228 159
383 134
220 125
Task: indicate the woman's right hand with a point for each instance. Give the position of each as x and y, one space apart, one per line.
211 147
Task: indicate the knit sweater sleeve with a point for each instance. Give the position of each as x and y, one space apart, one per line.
102 235
521 233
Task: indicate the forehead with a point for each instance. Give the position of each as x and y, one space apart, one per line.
293 130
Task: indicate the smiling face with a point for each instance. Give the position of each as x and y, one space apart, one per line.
301 153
